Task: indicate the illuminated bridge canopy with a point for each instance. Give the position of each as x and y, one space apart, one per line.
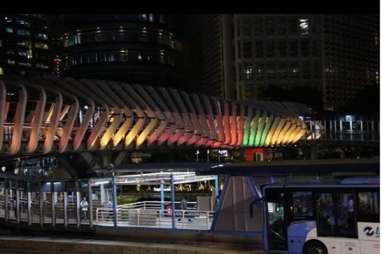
60 115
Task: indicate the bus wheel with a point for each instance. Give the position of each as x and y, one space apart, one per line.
315 247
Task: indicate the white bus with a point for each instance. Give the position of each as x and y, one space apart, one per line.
322 218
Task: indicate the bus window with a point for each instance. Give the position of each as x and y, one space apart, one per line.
302 205
368 206
276 229
345 215
325 214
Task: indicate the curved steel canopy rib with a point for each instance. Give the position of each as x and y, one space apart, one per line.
61 115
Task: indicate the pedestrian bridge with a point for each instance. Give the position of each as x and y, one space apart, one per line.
47 115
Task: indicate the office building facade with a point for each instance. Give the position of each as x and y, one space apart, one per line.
134 48
24 44
320 59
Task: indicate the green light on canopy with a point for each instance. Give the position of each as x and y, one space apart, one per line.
246 133
253 129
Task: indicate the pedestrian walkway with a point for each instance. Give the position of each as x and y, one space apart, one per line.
78 246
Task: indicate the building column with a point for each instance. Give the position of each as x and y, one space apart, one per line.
17 194
90 208
78 211
52 197
29 203
65 206
102 192
115 211
42 216
7 184
216 182
161 196
173 202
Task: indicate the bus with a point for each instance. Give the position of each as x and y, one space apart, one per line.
322 218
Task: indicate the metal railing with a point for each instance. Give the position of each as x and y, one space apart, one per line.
157 205
148 214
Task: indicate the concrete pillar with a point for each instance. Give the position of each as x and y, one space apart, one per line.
341 129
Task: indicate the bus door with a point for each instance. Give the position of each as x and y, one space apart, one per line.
276 219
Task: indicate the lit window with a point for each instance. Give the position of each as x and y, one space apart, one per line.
23 32
162 60
24 64
248 72
10 52
139 56
21 43
22 53
41 45
144 16
9 30
10 61
1 71
77 38
151 17
29 54
8 20
42 36
23 22
123 55
304 26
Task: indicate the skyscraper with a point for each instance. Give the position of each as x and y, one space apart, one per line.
322 60
24 44
133 48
